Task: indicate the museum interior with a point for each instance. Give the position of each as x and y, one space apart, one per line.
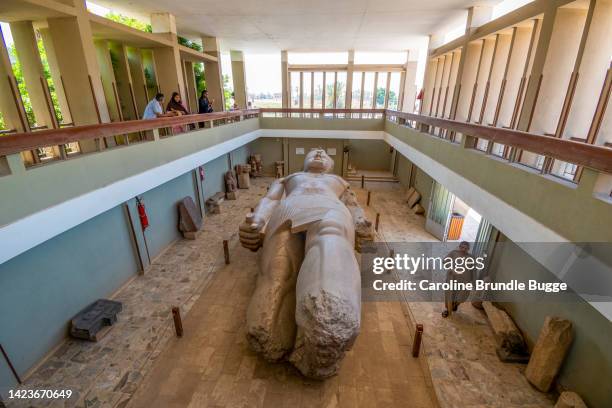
189 192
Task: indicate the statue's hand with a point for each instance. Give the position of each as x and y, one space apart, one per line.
250 232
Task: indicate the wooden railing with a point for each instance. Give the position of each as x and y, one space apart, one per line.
595 157
19 142
579 153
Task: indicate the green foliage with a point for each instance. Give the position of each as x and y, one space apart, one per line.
188 43
25 96
129 21
2 124
380 98
227 93
51 84
200 80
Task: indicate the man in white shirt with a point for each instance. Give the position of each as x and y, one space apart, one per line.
154 108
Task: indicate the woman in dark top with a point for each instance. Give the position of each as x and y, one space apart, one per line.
175 105
205 105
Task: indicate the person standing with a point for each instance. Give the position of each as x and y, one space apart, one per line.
204 104
453 298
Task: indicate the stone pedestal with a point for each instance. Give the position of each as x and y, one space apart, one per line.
549 352
190 220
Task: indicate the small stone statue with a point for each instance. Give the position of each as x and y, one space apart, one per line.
231 186
256 165
280 168
242 172
306 307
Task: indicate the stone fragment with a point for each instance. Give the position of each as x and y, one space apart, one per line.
409 193
414 199
511 345
231 186
418 209
280 168
190 220
213 203
549 352
244 179
569 399
91 322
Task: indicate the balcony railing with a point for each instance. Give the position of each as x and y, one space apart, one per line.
598 158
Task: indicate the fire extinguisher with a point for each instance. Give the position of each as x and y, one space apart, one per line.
421 94
142 214
201 171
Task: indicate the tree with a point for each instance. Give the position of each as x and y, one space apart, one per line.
129 21
227 92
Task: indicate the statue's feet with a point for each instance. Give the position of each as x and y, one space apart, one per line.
327 328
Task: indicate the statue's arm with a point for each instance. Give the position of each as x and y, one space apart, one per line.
363 226
251 230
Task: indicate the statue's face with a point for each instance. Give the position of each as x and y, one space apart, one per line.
317 161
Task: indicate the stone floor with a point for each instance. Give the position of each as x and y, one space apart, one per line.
460 350
140 363
212 366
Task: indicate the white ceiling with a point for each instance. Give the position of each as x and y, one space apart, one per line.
315 25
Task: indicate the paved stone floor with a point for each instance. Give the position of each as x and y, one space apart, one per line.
459 350
141 364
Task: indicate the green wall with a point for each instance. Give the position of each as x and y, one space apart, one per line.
587 369
370 154
271 150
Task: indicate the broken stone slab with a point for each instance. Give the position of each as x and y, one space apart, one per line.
511 345
91 323
549 352
569 399
409 193
231 195
414 199
243 177
190 219
213 203
418 209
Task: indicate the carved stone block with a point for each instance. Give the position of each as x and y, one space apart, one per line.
213 203
244 180
90 323
414 199
549 352
190 220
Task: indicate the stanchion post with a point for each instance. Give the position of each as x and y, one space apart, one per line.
377 221
226 251
178 323
369 195
362 181
418 336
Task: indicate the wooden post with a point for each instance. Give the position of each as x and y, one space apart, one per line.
416 345
178 324
362 181
377 221
369 194
226 252
252 209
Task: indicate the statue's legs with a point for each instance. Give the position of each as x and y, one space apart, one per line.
271 313
328 297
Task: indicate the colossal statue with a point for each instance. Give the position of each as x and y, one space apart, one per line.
306 306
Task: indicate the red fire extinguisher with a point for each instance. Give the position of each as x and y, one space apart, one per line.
142 214
201 171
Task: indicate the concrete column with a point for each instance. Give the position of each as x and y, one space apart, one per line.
239 77
349 79
212 73
80 74
408 86
109 83
477 16
55 74
190 83
139 84
537 67
124 85
285 79
169 72
33 73
11 104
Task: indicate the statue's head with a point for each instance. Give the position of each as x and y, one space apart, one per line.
317 161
